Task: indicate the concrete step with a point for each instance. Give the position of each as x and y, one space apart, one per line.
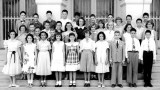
79 83
80 88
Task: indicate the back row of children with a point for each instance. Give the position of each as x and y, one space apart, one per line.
79 48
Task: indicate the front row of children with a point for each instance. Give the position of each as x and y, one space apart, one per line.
86 56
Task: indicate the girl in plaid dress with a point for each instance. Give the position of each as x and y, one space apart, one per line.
72 62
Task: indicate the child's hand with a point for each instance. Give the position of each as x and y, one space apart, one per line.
111 62
5 62
128 61
154 61
96 63
123 62
106 62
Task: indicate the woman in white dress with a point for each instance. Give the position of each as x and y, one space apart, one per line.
101 58
58 59
29 58
43 60
12 65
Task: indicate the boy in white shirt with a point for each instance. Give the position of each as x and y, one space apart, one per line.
148 57
132 55
64 18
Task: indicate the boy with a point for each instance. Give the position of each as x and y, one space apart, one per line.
64 19
47 28
129 19
139 28
145 18
148 57
92 21
36 21
51 39
94 33
132 55
117 58
22 21
32 29
76 17
119 26
50 20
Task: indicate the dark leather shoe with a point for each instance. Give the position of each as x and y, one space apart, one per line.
130 85
70 85
134 85
120 85
145 85
113 85
85 85
88 85
150 85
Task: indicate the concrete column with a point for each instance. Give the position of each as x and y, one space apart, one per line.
1 26
56 6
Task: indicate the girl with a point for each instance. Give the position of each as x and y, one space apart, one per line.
87 48
101 58
101 26
81 28
68 29
119 26
43 61
126 35
58 59
12 64
36 36
109 32
59 27
72 53
29 58
22 35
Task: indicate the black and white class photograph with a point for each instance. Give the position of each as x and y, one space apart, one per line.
79 44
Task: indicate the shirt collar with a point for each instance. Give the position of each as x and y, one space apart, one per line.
81 27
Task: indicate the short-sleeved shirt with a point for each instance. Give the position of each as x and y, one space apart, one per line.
12 45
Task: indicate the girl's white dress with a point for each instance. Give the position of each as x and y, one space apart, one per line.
57 57
13 66
43 60
102 56
29 58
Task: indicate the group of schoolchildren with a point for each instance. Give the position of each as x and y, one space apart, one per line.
69 46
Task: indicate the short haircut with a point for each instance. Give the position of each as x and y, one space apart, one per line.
87 31
35 14
147 31
72 34
22 12
110 15
71 26
41 34
84 22
49 12
77 14
101 21
65 11
30 36
24 27
129 16
150 21
58 34
139 19
125 28
104 36
46 22
59 22
133 29
31 24
11 32
117 32
92 15
38 28
118 18
145 14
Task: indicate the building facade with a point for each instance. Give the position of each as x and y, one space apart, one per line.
10 9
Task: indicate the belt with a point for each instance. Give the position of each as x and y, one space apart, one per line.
133 51
147 51
13 53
